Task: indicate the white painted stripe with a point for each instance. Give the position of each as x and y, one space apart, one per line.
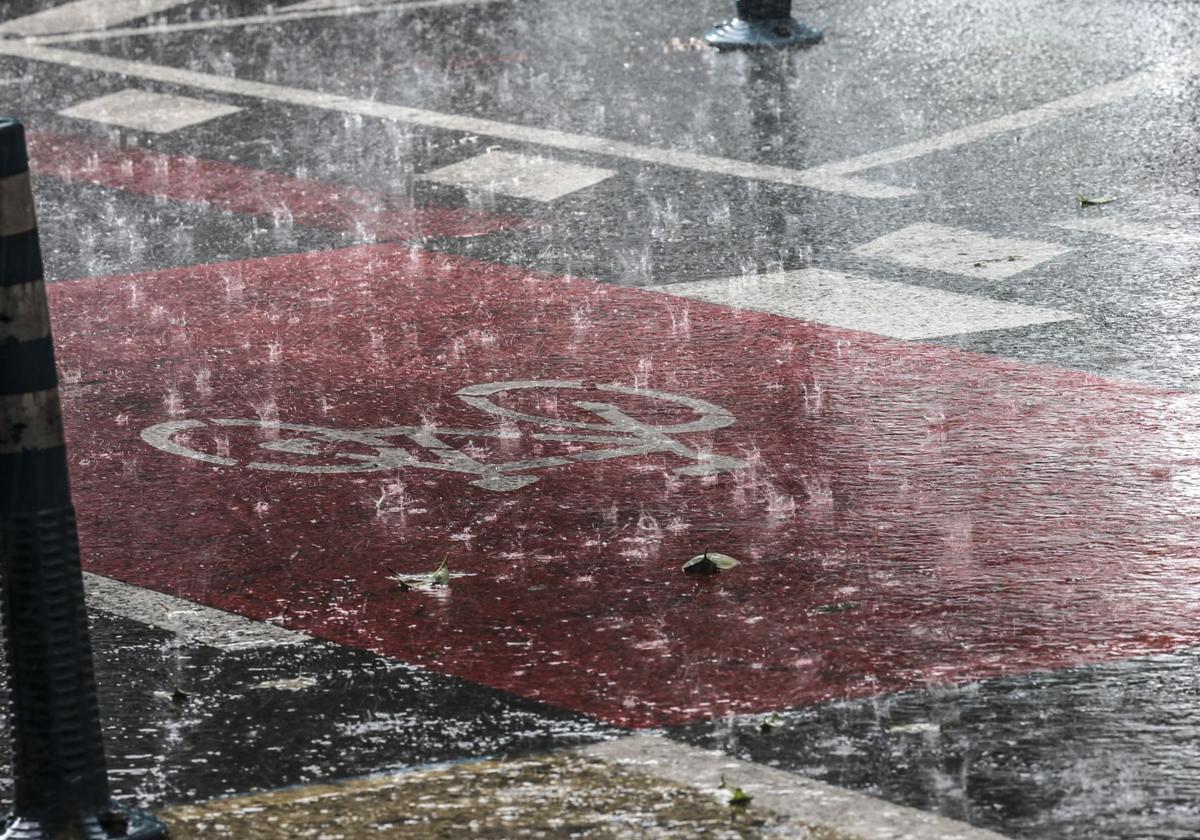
830 177
1136 231
16 204
270 18
807 801
196 622
144 110
450 122
960 251
520 176
1092 98
1183 66
896 310
368 5
86 14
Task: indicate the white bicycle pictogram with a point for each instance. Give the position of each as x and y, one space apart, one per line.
619 435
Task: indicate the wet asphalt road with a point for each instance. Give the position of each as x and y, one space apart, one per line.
1100 751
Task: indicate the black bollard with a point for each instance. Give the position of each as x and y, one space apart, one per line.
59 774
761 24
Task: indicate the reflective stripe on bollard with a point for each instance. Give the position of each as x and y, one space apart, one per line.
59 774
761 24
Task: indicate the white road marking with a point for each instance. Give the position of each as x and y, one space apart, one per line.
622 435
86 14
450 122
808 802
269 18
1134 230
520 176
145 110
960 251
367 5
199 623
896 310
1184 66
829 177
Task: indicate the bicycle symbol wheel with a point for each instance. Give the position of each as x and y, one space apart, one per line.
710 416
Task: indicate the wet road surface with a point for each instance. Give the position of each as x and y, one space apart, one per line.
546 291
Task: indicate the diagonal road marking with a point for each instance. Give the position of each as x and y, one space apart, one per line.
290 13
1107 94
86 14
450 122
830 177
371 5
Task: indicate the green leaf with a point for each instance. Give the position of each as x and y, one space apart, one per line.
769 724
442 576
1089 201
739 798
723 784
708 563
436 579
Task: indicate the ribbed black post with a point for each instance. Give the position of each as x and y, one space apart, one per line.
59 774
764 9
761 24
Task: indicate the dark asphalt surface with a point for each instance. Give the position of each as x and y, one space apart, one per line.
1104 751
186 722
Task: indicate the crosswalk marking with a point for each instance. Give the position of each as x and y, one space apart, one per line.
520 176
960 251
896 310
144 110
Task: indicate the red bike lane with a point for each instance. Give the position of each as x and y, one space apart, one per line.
276 437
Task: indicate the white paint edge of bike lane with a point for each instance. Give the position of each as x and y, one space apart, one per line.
194 622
